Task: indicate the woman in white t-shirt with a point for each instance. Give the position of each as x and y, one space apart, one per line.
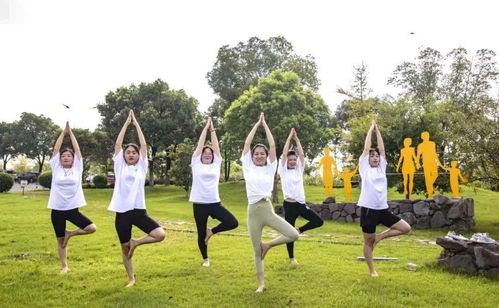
373 198
259 168
291 173
206 162
66 195
130 169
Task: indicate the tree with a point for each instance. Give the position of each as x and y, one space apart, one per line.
286 104
7 142
35 137
359 88
181 169
166 116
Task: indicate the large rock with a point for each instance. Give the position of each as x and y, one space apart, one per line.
349 218
493 272
460 225
326 215
358 211
462 262
334 207
349 208
421 208
470 207
335 215
330 200
452 244
438 220
440 199
486 258
408 217
452 201
455 211
422 222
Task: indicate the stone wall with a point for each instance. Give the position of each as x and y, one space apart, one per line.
455 213
468 256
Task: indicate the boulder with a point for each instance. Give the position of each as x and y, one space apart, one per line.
349 218
343 213
422 222
470 207
438 220
335 215
452 244
408 217
349 208
333 207
486 258
460 225
462 262
342 219
325 215
455 211
330 200
421 208
493 272
440 199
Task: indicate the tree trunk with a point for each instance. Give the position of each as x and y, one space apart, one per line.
5 161
226 167
151 165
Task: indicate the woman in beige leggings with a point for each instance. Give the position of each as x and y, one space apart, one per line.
259 168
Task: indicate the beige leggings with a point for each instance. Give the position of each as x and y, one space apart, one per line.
262 214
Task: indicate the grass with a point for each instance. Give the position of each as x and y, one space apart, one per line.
170 273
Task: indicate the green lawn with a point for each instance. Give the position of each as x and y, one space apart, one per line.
170 273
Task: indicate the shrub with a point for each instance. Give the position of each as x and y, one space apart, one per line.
45 179
100 181
6 182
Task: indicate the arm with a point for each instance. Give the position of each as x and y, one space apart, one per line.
400 160
367 143
286 147
355 170
214 139
142 139
74 142
463 180
251 135
121 135
202 140
379 141
415 159
301 154
270 139
58 143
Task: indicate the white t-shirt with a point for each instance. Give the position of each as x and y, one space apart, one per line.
128 193
205 178
292 181
373 193
259 180
66 192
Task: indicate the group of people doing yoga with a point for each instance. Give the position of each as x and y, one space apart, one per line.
259 165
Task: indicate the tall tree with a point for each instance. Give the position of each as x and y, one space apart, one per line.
35 137
167 116
7 142
359 88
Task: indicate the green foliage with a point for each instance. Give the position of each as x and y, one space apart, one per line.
7 142
45 179
181 169
100 181
6 182
286 104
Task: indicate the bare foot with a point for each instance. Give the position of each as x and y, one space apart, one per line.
293 261
260 289
133 245
64 270
130 283
374 274
377 239
265 248
206 263
67 235
209 234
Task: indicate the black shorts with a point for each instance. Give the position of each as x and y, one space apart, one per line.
59 220
370 218
125 221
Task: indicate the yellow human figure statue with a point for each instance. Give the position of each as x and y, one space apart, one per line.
346 176
428 150
407 158
455 175
327 163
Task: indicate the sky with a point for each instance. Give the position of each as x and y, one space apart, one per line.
75 52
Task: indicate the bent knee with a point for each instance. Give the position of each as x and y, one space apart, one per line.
320 223
90 228
234 224
159 234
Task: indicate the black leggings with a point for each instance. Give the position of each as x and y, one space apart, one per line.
216 211
294 209
59 220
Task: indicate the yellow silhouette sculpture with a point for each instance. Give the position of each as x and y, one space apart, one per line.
407 158
428 150
327 172
455 175
346 176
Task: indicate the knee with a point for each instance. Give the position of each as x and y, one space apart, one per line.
234 224
405 228
320 222
160 234
91 228
295 235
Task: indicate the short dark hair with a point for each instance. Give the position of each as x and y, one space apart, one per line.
212 153
133 145
259 145
374 150
67 150
291 153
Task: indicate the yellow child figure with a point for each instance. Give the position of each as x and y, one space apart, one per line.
455 175
346 176
327 172
428 150
407 158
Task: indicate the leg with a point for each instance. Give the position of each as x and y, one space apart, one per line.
398 228
314 221
123 224
63 255
405 177
148 225
201 217
411 184
58 219
368 252
255 228
368 220
85 225
227 220
290 215
289 233
127 262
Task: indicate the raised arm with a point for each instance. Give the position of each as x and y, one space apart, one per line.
214 139
74 142
286 147
270 139
301 154
202 140
367 143
251 135
142 139
58 142
379 141
121 135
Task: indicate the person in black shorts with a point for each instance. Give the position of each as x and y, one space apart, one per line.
373 198
128 201
66 195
